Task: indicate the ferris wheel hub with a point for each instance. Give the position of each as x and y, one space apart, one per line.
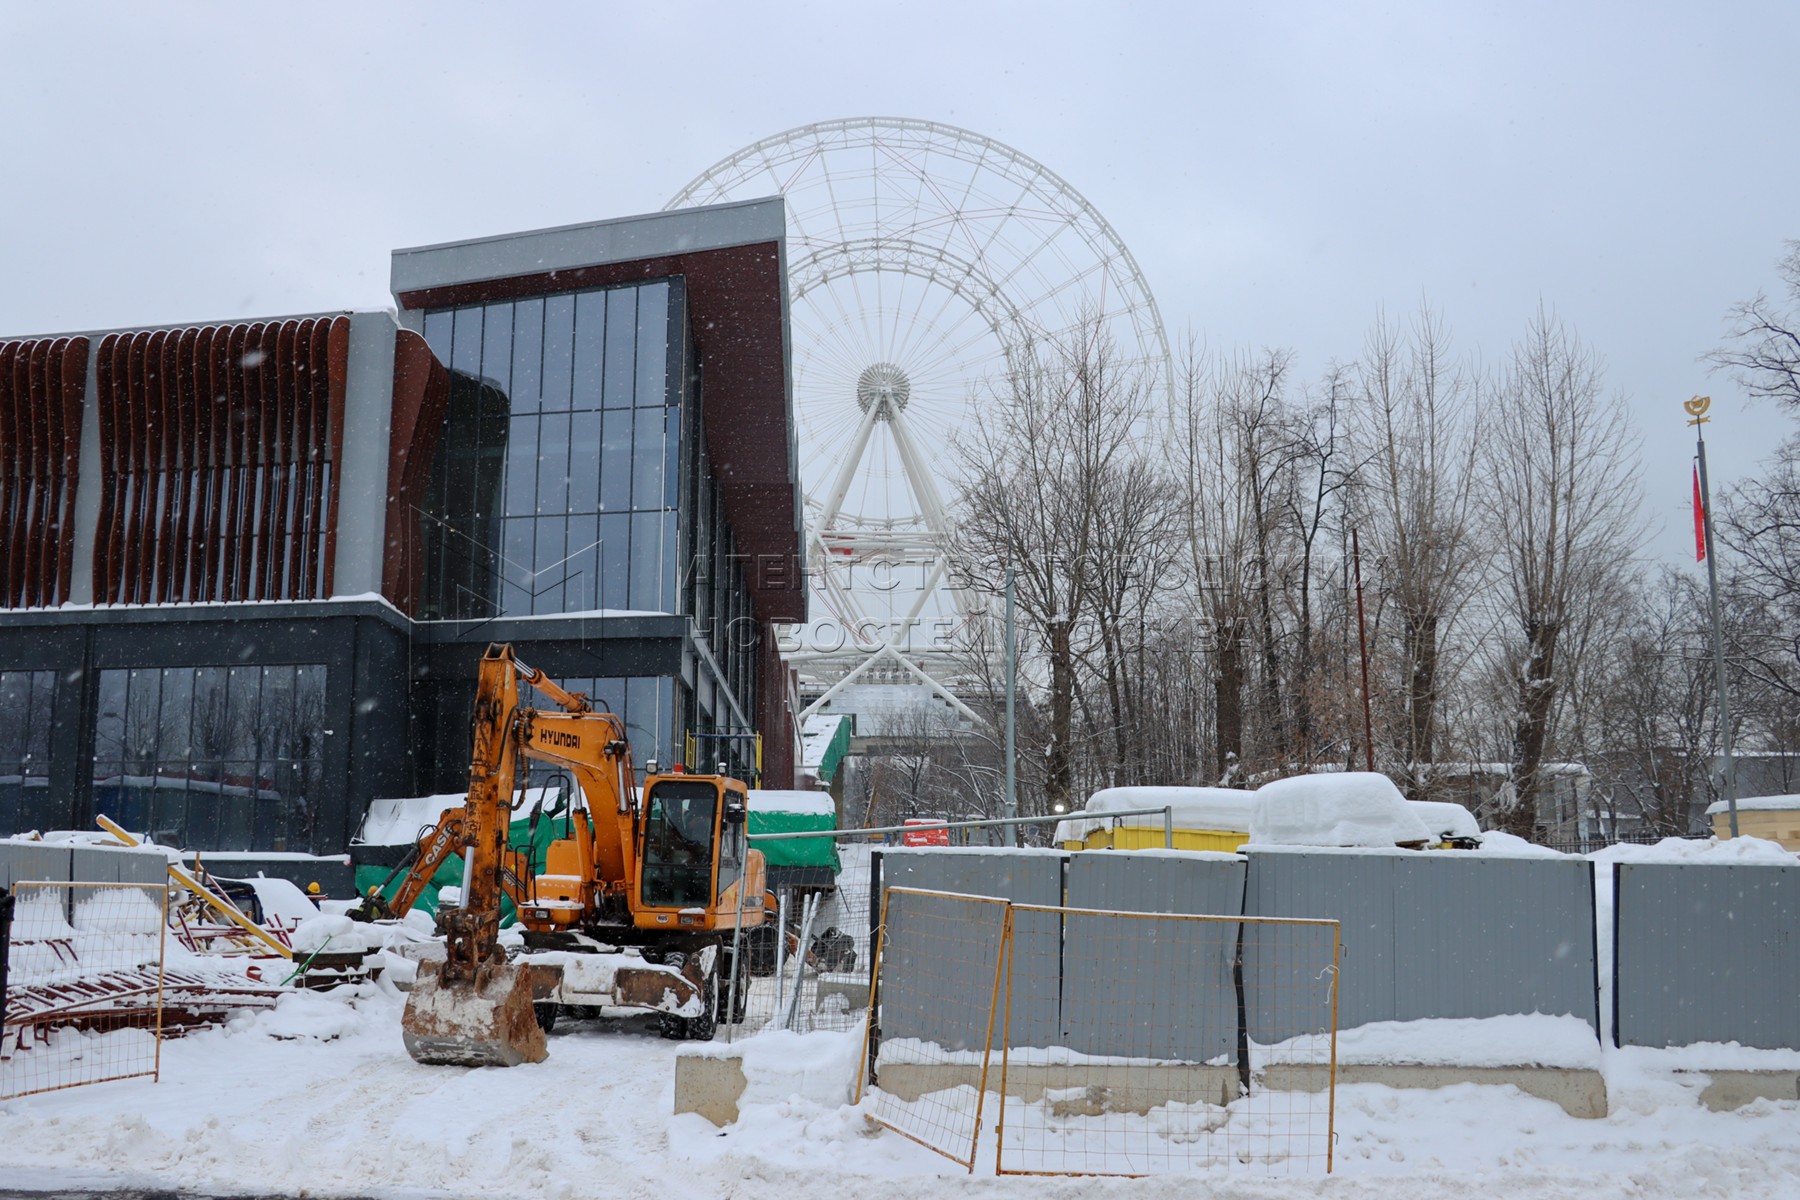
885 387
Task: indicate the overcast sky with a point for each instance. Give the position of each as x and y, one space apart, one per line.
1281 172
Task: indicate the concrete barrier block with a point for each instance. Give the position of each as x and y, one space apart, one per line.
1729 1090
710 1085
1580 1091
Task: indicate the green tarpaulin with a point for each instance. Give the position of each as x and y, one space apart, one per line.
519 836
795 812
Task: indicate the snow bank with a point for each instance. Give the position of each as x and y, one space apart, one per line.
1350 808
1756 804
1732 851
1226 809
1533 1040
809 804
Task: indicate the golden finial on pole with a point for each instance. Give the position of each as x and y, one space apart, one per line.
1696 408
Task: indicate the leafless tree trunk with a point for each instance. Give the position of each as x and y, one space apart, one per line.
1056 480
1559 463
1416 436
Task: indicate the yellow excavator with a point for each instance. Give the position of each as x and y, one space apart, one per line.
634 905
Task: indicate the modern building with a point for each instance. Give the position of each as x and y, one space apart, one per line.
247 568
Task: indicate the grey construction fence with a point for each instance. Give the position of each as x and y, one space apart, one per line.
1423 935
56 862
1706 953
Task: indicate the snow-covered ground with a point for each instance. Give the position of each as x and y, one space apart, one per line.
318 1097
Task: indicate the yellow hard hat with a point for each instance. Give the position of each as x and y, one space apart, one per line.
312 889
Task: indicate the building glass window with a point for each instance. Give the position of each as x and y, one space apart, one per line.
25 798
213 758
553 489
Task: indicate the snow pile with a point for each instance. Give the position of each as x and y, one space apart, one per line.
317 1016
1447 820
1224 809
1755 804
323 933
1533 1040
1730 851
808 804
1496 844
1350 808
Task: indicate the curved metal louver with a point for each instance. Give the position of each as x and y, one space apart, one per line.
41 386
217 448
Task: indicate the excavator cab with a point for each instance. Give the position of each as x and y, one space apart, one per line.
693 854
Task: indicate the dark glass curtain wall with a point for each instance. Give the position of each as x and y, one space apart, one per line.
25 800
212 758
556 478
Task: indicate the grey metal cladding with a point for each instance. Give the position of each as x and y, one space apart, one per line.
1023 878
939 955
1182 1004
32 862
596 243
1281 999
1482 937
1426 935
1706 953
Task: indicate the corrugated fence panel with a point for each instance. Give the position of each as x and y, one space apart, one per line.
1427 935
33 862
51 863
102 864
1356 890
1024 877
1706 954
1150 988
1479 936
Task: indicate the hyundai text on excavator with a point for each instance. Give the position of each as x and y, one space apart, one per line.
634 906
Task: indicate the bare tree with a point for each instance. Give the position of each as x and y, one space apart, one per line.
1559 464
1764 352
1236 438
1056 482
1653 726
1416 436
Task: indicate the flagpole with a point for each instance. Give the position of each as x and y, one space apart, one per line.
1697 408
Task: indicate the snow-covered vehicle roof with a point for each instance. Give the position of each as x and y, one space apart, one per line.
1346 808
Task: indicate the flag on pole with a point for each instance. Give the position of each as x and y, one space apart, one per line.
1699 519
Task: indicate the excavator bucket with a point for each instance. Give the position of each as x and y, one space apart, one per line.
489 1024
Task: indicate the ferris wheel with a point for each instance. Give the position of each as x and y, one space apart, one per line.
923 261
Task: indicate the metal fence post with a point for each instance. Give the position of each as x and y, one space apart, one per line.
6 914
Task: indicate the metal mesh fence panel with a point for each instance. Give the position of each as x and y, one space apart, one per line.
1153 1071
85 985
937 989
807 966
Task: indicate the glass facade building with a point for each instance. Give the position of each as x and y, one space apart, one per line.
265 606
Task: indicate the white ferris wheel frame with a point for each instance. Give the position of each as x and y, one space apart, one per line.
836 538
